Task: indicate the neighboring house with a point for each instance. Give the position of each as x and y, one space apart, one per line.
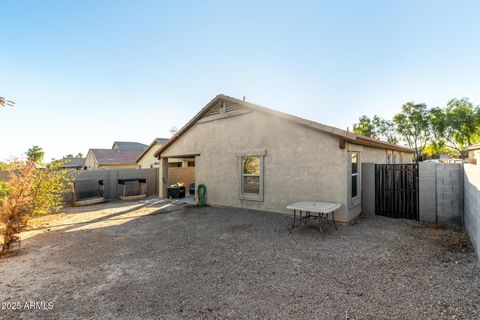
253 157
147 159
474 152
73 163
127 145
111 159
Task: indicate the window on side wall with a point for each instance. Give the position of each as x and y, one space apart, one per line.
354 179
251 177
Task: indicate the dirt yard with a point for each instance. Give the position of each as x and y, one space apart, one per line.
159 261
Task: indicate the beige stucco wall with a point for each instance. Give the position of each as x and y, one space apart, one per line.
148 160
90 161
301 163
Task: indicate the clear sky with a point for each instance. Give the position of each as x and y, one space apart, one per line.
86 73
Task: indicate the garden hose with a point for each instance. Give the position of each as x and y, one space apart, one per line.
202 195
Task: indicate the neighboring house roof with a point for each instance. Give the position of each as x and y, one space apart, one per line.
73 162
111 157
157 141
127 145
342 134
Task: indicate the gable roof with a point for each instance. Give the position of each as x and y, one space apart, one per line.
73 162
342 134
113 156
159 141
127 145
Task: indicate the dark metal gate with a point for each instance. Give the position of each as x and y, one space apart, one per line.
396 190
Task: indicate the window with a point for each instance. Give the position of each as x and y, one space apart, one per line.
175 164
251 175
354 184
354 164
191 163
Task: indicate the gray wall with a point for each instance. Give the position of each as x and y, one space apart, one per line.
111 176
368 188
441 192
472 204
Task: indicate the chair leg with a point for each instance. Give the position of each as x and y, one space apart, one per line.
333 219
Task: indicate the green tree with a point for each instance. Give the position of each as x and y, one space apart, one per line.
364 126
457 126
27 192
377 128
413 126
79 155
35 154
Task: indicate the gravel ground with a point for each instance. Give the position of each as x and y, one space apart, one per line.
232 264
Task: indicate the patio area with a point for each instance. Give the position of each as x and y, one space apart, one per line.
151 261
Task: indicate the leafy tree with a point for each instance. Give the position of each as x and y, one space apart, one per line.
79 155
364 126
27 192
413 126
35 154
457 126
376 127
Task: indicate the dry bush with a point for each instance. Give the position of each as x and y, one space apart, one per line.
28 191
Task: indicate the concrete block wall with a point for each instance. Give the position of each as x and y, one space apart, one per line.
440 192
472 204
449 192
427 196
368 188
110 180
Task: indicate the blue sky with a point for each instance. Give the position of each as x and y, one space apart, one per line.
86 73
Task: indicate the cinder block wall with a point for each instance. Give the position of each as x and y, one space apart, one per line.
472 204
441 192
110 180
449 193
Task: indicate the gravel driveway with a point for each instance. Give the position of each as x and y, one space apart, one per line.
232 263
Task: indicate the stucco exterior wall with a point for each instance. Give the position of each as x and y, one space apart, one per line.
301 163
90 162
148 160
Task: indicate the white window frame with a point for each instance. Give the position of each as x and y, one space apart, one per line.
252 153
354 201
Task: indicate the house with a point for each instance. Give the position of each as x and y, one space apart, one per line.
249 156
73 163
474 153
181 171
127 145
147 158
122 155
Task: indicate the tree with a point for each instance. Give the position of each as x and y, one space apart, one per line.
413 126
27 192
457 126
384 130
377 128
35 154
364 126
79 155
